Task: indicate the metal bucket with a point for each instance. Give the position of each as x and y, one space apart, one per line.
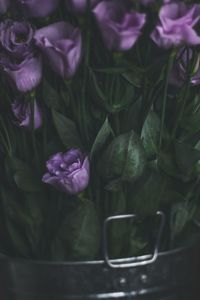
171 275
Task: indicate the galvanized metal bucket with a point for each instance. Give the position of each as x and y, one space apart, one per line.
171 275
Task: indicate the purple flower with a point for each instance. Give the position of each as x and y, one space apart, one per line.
37 8
25 75
120 27
23 114
16 38
19 60
79 6
176 25
179 71
69 172
61 43
4 4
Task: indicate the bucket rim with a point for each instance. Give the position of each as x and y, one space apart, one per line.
172 252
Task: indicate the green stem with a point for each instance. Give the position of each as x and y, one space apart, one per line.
6 148
168 71
32 104
83 111
117 123
180 115
6 138
185 93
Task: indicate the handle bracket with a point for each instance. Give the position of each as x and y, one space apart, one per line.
132 261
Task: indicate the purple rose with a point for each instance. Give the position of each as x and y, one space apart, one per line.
37 8
120 27
23 114
25 75
179 71
19 60
176 25
69 172
79 6
4 4
61 43
16 38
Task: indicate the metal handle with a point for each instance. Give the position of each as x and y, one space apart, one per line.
134 260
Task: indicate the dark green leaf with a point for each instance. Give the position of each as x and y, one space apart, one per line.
14 217
191 118
146 200
117 229
136 243
23 175
124 158
51 96
114 185
167 163
150 134
186 157
98 89
81 232
181 214
134 77
58 251
111 70
35 219
67 131
102 136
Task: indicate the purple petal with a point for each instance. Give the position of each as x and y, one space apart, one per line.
62 45
120 27
26 75
22 112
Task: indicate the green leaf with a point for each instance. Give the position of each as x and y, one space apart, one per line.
150 134
58 251
124 158
102 136
24 221
51 96
114 185
131 117
133 74
34 223
111 70
13 218
146 201
136 243
117 229
191 118
181 214
81 232
112 93
134 77
98 89
67 131
23 175
186 157
167 163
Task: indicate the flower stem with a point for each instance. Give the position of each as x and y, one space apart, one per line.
83 111
168 71
32 104
185 96
6 140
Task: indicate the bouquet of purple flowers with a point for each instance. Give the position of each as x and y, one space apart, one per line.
100 116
